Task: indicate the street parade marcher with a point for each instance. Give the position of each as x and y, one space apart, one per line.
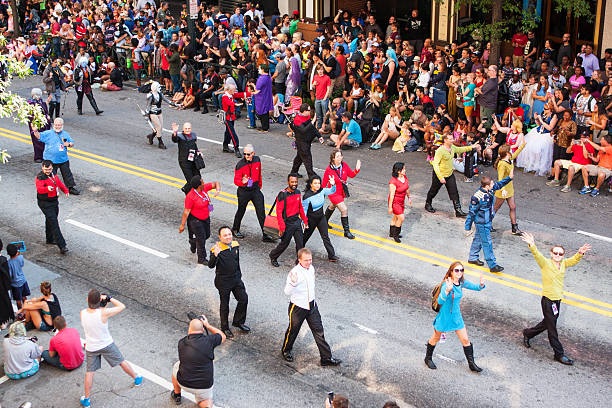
300 287
57 141
504 166
398 190
289 210
340 171
47 185
225 257
190 158
53 78
197 215
262 97
229 107
39 146
442 173
481 214
449 316
553 277
305 133
154 112
248 180
82 82
313 202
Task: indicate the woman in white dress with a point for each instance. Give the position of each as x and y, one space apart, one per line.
538 153
390 128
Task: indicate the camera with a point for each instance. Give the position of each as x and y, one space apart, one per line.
104 299
330 396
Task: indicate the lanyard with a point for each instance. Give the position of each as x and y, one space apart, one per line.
205 198
52 178
336 170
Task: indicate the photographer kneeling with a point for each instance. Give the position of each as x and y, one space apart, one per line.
194 370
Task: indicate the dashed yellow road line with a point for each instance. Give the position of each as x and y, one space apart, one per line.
363 237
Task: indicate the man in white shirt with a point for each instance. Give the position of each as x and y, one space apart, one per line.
300 287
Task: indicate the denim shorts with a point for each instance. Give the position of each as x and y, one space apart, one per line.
44 326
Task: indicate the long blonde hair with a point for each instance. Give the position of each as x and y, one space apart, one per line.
517 126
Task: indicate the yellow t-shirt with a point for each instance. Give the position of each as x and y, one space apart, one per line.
553 277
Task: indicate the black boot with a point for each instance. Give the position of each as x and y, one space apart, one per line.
429 208
394 233
93 103
347 229
150 137
161 144
328 214
516 230
52 110
458 211
391 230
428 361
204 108
398 234
57 109
469 355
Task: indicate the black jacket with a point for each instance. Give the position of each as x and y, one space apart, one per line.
306 132
227 274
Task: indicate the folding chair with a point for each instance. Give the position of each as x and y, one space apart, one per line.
294 106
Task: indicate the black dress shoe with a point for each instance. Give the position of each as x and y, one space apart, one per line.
496 269
429 208
243 327
274 263
74 191
204 262
267 238
228 333
64 251
476 262
37 160
237 153
330 361
526 341
288 357
50 242
565 360
299 176
238 234
333 258
226 149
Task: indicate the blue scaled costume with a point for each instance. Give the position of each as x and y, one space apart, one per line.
481 214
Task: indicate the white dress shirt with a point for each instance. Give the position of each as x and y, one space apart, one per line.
301 292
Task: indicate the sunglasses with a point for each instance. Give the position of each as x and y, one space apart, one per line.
458 270
558 253
248 154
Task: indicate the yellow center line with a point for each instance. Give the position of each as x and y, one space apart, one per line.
363 237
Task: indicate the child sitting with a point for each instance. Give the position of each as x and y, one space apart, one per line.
19 285
405 142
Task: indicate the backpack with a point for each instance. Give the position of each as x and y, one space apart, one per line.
146 87
434 297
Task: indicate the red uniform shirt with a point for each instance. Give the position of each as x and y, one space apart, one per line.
198 202
250 169
344 174
42 186
299 118
67 343
229 105
292 201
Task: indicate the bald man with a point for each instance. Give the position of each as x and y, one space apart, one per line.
194 370
190 158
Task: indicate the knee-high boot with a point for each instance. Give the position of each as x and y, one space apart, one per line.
161 143
428 356
93 103
347 229
57 109
328 214
51 110
469 355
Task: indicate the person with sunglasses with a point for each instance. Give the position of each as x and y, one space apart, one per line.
553 276
449 316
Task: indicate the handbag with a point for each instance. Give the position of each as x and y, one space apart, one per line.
198 160
345 188
271 222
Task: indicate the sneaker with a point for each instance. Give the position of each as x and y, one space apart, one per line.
468 180
85 402
566 189
585 190
553 183
138 381
376 146
420 149
595 192
176 397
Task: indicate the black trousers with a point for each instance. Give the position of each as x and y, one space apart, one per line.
549 323
245 196
293 229
303 156
297 315
52 230
66 173
230 135
80 101
470 164
451 187
241 297
419 136
265 121
318 221
201 230
189 170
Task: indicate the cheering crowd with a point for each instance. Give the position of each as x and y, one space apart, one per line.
541 109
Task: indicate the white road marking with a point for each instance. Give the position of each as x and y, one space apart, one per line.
446 358
589 234
4 379
118 239
365 329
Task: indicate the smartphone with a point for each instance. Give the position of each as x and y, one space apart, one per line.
330 396
20 246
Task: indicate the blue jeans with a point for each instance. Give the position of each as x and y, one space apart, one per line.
482 240
321 106
439 97
54 361
176 82
251 113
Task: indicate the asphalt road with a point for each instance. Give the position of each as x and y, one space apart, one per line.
374 303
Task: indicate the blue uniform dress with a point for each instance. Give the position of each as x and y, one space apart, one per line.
481 214
449 317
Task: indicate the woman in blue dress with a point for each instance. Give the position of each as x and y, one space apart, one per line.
313 201
542 94
449 317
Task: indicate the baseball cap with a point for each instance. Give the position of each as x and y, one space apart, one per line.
555 69
374 44
416 59
586 133
296 13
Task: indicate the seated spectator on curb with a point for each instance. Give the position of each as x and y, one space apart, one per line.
194 370
115 82
40 312
65 349
333 117
350 134
21 355
602 170
581 149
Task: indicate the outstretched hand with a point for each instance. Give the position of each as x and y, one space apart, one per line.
449 285
528 238
584 249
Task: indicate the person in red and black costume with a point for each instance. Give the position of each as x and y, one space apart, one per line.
247 177
289 210
47 185
340 172
197 214
305 132
229 106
